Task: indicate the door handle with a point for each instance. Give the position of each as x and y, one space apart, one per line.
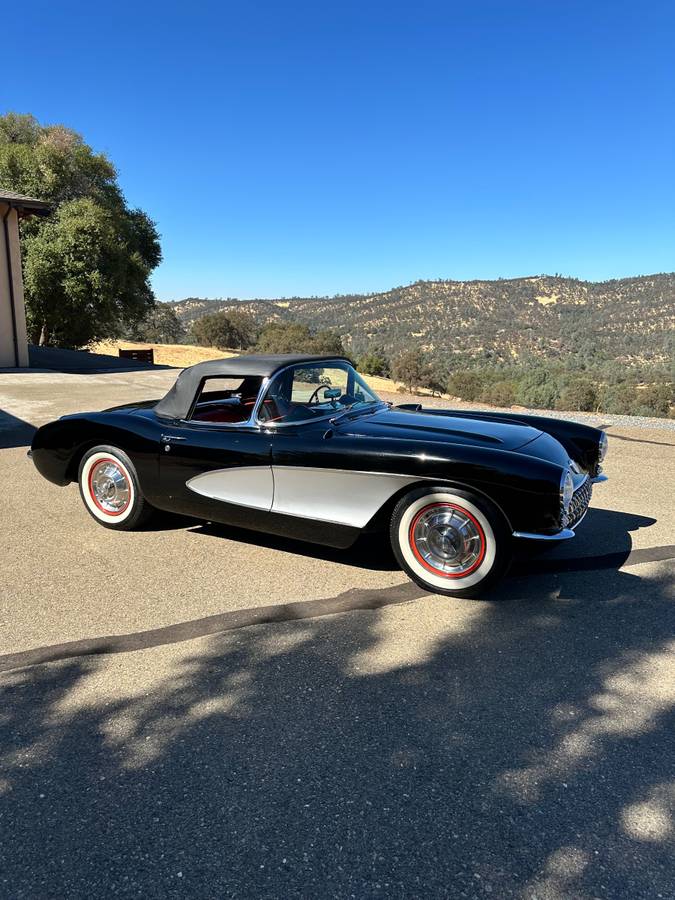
171 438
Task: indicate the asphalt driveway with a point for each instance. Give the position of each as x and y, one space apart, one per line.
193 711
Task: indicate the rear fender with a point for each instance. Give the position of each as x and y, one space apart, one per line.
58 447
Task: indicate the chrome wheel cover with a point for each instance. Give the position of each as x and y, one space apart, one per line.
447 539
109 487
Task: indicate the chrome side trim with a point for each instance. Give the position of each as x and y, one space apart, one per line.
598 479
563 535
341 496
244 486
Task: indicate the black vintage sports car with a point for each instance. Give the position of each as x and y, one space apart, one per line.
300 446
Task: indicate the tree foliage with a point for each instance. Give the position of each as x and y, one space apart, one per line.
279 337
226 331
87 267
465 384
539 387
411 368
579 394
160 326
375 362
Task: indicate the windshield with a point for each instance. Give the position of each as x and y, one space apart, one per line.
311 391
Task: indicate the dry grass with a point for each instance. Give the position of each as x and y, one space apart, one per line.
179 355
182 355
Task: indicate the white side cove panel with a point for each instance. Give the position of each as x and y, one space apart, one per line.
245 486
334 495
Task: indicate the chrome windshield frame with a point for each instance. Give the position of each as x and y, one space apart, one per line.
330 414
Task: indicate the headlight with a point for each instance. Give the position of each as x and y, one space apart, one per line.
602 447
566 490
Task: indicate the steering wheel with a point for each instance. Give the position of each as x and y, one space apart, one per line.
315 395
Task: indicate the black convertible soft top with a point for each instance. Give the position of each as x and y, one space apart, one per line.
177 402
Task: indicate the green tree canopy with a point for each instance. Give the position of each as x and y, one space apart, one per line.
466 385
375 362
539 388
87 267
160 326
412 368
579 394
225 330
293 337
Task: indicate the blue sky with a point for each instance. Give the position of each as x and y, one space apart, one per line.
322 147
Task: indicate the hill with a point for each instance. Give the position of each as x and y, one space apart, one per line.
630 320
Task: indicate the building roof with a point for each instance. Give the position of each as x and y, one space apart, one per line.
176 404
25 205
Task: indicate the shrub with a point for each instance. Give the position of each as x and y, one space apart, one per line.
579 394
466 385
539 388
500 393
654 400
619 399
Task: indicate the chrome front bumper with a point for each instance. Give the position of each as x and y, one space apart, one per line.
565 533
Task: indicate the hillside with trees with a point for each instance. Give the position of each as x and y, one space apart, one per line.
543 342
630 320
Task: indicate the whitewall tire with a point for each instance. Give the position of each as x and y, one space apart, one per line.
110 489
450 541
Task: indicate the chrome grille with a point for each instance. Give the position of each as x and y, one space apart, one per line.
580 502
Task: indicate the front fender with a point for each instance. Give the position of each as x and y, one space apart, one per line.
525 488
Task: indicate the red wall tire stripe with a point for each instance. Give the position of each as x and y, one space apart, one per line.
116 462
430 568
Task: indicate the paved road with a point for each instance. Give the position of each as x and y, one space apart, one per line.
229 717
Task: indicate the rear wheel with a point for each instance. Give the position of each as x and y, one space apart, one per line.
450 541
110 489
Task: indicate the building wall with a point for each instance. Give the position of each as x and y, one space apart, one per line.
8 354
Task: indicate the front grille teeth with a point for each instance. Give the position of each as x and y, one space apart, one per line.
580 502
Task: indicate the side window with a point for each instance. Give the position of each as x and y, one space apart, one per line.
226 401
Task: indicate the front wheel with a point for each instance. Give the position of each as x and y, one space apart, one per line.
450 541
110 489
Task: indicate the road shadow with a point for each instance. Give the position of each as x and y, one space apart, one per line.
525 751
370 551
603 541
14 432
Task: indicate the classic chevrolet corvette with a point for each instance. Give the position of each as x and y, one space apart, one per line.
301 446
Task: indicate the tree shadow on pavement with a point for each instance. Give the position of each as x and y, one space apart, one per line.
522 749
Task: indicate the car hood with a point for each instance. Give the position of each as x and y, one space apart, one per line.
412 425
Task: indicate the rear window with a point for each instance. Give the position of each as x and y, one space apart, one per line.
226 401
212 388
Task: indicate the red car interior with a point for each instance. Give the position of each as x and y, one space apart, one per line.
232 414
